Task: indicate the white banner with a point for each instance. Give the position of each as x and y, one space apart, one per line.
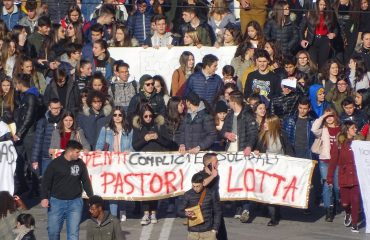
361 150
164 61
138 176
8 158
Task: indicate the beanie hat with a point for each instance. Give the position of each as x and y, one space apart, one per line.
221 107
143 79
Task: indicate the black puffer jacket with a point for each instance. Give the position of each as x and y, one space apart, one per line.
211 209
197 129
308 25
163 143
247 129
25 116
284 105
155 101
287 36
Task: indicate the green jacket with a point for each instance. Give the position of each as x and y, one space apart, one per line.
108 229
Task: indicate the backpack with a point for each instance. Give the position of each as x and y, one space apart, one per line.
113 88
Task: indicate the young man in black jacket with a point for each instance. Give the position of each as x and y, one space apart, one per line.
210 208
61 191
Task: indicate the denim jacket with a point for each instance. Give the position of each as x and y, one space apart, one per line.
107 136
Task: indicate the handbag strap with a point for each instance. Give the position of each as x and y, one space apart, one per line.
202 196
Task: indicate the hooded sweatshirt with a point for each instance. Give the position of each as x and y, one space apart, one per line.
318 109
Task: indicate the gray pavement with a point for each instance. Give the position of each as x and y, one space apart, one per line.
294 225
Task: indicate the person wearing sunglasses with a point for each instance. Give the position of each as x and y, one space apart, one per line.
116 136
147 93
150 135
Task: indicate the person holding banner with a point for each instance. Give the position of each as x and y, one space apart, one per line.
116 137
272 140
342 156
150 135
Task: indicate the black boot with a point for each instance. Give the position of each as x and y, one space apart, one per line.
329 214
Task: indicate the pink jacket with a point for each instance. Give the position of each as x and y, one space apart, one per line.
320 131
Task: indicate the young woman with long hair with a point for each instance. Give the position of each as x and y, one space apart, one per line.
122 37
272 140
281 27
317 29
67 130
326 128
181 74
358 74
191 39
25 65
116 137
74 15
343 158
150 135
7 101
243 59
337 94
74 33
330 73
161 87
254 35
219 17
8 56
259 109
276 55
307 66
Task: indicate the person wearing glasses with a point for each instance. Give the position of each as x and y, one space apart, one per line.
148 94
116 136
150 135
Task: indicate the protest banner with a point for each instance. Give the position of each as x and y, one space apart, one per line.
272 179
361 150
164 61
8 158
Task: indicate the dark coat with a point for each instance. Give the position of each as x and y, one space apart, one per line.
284 105
92 123
207 89
289 126
287 148
247 129
342 156
25 116
211 209
163 143
155 101
138 28
29 236
287 36
199 130
72 101
311 29
108 229
42 139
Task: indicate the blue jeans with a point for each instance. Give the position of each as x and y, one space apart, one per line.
326 191
116 206
60 210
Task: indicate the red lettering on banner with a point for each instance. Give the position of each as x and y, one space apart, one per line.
129 183
108 158
182 180
253 179
142 181
229 189
96 156
118 184
151 184
168 181
105 175
292 186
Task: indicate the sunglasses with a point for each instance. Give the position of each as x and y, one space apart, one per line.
148 116
117 115
149 84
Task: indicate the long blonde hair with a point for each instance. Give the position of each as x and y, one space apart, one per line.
274 130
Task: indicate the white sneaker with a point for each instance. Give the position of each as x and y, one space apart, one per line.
153 218
245 216
145 220
123 218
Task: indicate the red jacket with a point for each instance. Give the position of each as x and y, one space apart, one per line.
342 156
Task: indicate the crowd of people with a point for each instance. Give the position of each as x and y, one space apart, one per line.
298 85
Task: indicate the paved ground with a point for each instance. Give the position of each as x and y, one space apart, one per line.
294 225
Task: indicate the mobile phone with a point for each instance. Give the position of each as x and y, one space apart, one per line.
210 166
